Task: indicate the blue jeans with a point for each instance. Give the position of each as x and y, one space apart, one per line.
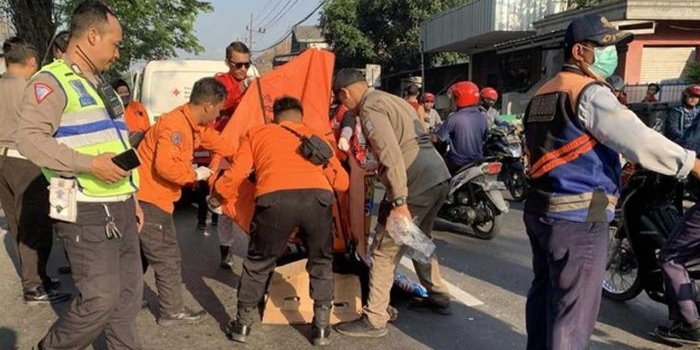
568 261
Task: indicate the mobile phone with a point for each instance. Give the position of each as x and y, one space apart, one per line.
127 160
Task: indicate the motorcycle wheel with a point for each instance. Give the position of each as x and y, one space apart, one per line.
517 185
621 281
489 229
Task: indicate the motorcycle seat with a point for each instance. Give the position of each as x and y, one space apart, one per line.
476 162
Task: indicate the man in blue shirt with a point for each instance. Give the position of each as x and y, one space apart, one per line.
680 124
466 129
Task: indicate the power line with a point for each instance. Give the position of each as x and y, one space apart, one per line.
292 28
281 16
279 12
269 2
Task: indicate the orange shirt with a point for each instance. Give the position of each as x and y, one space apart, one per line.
166 156
136 117
233 93
272 152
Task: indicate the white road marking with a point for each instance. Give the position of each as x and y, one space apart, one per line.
458 294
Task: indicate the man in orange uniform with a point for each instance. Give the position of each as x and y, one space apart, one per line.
238 62
290 191
135 113
166 157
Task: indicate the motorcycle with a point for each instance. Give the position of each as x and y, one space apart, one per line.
506 146
649 209
475 198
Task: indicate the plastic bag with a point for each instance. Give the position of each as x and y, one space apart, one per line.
405 232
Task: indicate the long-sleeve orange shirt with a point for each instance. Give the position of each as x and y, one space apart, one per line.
136 117
271 151
166 155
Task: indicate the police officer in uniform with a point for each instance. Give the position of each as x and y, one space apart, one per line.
290 192
72 127
23 189
416 179
574 129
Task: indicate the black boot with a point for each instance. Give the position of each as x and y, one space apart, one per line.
226 257
321 327
239 329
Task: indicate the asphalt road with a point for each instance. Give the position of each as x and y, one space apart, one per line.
491 276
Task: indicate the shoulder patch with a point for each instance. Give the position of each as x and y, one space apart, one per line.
543 108
176 138
41 92
84 97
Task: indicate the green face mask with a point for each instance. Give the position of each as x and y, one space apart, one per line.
605 61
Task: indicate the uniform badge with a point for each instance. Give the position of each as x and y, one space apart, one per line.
83 96
176 138
41 92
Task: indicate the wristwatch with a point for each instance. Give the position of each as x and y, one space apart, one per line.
398 201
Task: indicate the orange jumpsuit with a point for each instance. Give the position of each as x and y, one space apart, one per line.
136 117
166 156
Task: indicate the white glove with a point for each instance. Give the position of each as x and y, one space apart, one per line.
202 173
343 144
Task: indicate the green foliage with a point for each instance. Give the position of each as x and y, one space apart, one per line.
589 3
386 32
152 29
693 73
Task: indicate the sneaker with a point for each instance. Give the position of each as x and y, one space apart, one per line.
430 304
320 336
361 328
40 296
187 316
52 284
238 331
679 333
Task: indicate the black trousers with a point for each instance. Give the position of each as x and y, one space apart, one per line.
568 261
160 246
25 199
107 275
276 214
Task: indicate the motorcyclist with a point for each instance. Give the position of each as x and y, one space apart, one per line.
618 86
466 129
488 97
681 122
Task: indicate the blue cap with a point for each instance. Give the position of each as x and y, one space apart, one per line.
594 28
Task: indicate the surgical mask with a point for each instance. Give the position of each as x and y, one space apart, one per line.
605 61
125 99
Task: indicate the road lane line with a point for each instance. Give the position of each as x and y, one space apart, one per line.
458 294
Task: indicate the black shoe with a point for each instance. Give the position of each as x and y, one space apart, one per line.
226 257
361 328
679 333
441 307
64 270
52 284
320 336
187 316
202 226
40 296
238 331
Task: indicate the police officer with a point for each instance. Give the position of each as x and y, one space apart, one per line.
416 179
290 191
72 128
574 129
166 154
23 189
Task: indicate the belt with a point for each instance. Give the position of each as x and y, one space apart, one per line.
81 197
10 152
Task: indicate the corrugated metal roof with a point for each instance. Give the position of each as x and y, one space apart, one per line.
307 34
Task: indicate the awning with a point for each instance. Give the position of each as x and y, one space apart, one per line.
547 41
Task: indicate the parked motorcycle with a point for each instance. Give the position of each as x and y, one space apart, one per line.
475 198
506 146
649 209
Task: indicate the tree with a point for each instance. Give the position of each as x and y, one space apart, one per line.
386 32
152 29
587 3
693 73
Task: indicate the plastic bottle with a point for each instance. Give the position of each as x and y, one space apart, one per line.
410 286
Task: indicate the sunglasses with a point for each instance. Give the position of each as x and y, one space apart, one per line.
239 65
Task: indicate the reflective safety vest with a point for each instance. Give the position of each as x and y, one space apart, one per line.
573 176
87 127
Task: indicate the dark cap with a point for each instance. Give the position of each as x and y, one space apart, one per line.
346 77
594 28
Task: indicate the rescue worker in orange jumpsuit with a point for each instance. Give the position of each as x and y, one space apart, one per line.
290 191
166 157
236 82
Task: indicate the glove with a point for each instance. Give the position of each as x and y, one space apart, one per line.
343 144
202 173
214 205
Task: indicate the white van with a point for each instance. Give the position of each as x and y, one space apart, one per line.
164 85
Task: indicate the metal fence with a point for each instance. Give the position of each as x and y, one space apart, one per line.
669 92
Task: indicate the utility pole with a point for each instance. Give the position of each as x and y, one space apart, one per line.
250 30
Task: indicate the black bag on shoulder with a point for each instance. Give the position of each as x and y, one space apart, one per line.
313 148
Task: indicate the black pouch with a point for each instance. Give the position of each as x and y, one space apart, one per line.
313 148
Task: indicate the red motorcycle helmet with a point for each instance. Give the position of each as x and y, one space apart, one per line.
692 90
489 93
464 94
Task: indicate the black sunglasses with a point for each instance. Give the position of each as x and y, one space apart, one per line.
239 65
